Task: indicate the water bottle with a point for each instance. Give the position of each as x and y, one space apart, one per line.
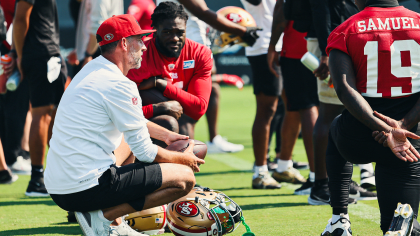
311 62
13 81
4 60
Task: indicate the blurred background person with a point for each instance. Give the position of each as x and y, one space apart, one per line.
36 40
301 99
15 113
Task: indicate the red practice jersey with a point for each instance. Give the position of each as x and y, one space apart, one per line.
9 10
142 10
294 43
189 76
384 45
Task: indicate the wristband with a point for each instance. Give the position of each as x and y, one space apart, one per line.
13 53
87 54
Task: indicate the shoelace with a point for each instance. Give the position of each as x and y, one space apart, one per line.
107 228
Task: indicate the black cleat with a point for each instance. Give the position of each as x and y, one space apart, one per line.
36 188
360 193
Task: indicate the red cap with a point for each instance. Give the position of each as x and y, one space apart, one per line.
118 27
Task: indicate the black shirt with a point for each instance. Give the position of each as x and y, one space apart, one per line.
43 35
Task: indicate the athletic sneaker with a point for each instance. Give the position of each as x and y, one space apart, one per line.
290 176
22 166
124 230
305 189
360 193
220 145
300 165
36 188
7 177
402 223
92 225
367 180
320 195
265 181
339 228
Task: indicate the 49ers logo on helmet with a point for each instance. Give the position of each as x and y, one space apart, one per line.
108 37
234 17
188 209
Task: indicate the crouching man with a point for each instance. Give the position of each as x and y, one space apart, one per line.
100 106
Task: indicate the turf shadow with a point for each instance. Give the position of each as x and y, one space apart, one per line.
272 205
18 203
222 172
65 230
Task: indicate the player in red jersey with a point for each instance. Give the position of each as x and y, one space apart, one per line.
375 64
178 67
142 10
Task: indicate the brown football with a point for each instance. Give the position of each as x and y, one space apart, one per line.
200 148
152 96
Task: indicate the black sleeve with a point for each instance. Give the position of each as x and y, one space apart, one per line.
254 2
322 22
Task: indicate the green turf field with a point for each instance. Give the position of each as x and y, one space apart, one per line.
268 212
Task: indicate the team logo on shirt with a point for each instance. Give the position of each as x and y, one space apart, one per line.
189 64
135 101
108 36
234 17
171 66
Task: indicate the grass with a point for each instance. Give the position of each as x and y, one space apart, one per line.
268 212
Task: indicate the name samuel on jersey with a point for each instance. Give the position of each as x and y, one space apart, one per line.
396 23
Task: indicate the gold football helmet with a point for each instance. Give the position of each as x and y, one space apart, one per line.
149 221
223 40
203 212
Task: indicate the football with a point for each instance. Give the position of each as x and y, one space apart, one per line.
200 148
152 96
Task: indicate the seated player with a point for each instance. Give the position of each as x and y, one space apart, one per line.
374 65
87 147
178 67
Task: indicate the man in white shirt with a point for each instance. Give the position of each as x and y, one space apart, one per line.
100 105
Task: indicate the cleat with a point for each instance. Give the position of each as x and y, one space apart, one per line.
291 175
36 188
339 228
220 145
22 166
360 193
300 165
305 189
265 181
7 177
92 225
402 223
320 195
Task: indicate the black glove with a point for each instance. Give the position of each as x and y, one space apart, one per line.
251 35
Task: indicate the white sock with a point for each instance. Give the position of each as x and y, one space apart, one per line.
258 170
312 177
282 166
368 167
334 218
102 217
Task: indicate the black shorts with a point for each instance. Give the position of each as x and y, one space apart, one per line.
262 79
300 85
41 91
127 184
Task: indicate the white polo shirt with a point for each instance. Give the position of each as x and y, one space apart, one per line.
98 107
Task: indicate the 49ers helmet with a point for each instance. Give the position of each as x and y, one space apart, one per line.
203 212
222 40
149 221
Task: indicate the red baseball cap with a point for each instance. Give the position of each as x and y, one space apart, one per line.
118 27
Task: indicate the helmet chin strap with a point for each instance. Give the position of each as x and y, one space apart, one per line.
248 229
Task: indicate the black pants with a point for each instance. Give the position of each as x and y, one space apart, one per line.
396 181
14 107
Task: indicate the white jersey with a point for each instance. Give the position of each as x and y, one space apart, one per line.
263 15
98 107
196 28
91 15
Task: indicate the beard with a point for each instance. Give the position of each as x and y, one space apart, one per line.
165 51
135 58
